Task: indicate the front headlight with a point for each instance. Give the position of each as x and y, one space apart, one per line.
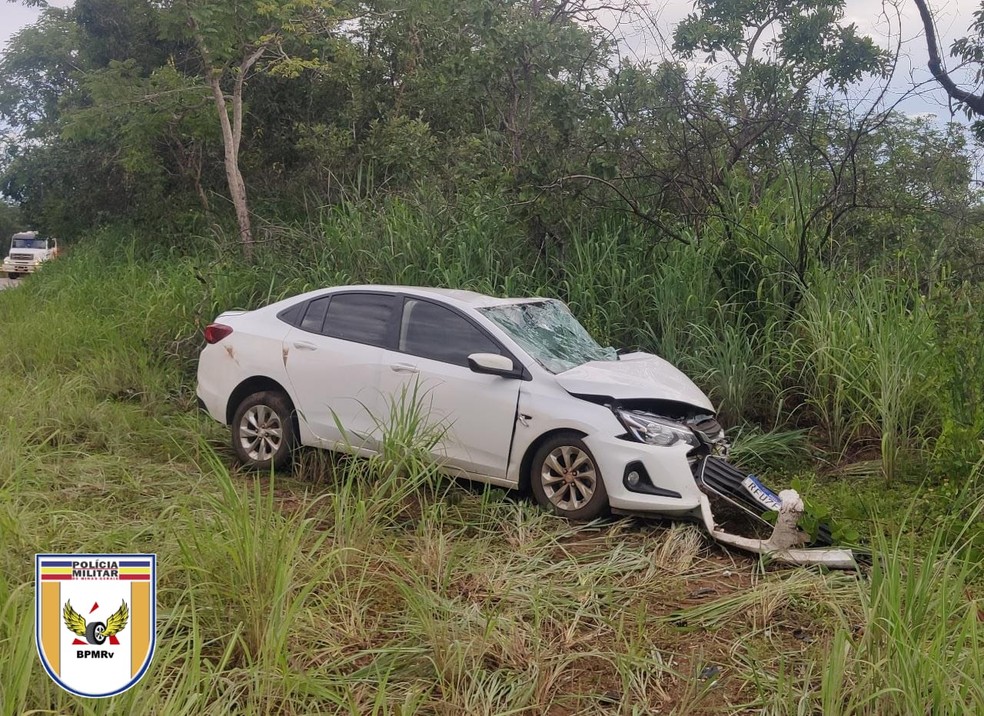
654 430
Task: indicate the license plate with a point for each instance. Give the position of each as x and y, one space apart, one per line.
762 494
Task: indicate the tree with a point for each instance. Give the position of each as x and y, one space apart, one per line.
38 74
94 111
10 222
784 42
970 50
770 78
234 39
158 129
495 95
919 199
759 123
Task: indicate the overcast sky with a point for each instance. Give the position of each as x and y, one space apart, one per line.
14 16
887 23
640 36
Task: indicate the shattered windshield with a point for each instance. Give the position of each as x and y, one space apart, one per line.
548 331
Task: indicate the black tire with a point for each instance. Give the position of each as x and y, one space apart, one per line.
575 490
263 431
94 632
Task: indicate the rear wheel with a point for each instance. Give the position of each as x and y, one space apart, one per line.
566 479
263 431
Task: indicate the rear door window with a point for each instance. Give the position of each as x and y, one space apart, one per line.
360 317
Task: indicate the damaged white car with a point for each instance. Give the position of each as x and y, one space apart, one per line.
526 398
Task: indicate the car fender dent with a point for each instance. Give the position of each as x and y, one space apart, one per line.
542 408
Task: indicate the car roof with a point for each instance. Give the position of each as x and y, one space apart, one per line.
454 296
472 299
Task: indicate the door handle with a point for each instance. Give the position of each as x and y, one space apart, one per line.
305 346
404 368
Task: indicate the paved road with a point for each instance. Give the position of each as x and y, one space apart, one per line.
6 283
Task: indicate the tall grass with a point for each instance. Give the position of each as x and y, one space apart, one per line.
919 646
733 359
377 586
870 370
831 353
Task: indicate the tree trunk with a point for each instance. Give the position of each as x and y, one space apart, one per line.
230 142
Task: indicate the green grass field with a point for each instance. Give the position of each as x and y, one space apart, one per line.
378 587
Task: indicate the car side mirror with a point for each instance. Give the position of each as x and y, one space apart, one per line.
493 364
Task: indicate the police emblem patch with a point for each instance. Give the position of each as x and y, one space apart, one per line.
95 619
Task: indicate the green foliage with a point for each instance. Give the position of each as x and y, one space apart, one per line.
817 514
921 621
778 451
120 31
36 73
970 51
800 41
520 102
732 358
10 222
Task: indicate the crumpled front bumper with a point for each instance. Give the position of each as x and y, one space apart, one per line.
729 487
776 546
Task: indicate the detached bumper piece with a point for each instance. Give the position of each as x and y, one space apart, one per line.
733 505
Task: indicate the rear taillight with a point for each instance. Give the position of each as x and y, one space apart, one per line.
215 332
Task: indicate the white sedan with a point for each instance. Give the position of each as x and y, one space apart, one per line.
524 398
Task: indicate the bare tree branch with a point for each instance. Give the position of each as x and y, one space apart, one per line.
629 201
973 101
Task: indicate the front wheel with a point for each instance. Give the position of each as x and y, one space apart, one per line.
566 479
263 431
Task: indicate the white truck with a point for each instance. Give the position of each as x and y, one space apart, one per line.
27 252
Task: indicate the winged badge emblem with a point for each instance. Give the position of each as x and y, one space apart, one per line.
96 632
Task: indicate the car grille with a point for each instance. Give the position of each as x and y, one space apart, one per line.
723 479
21 257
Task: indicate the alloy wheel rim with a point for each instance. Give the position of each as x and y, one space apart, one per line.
260 432
568 477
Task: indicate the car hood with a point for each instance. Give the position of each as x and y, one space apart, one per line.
634 376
